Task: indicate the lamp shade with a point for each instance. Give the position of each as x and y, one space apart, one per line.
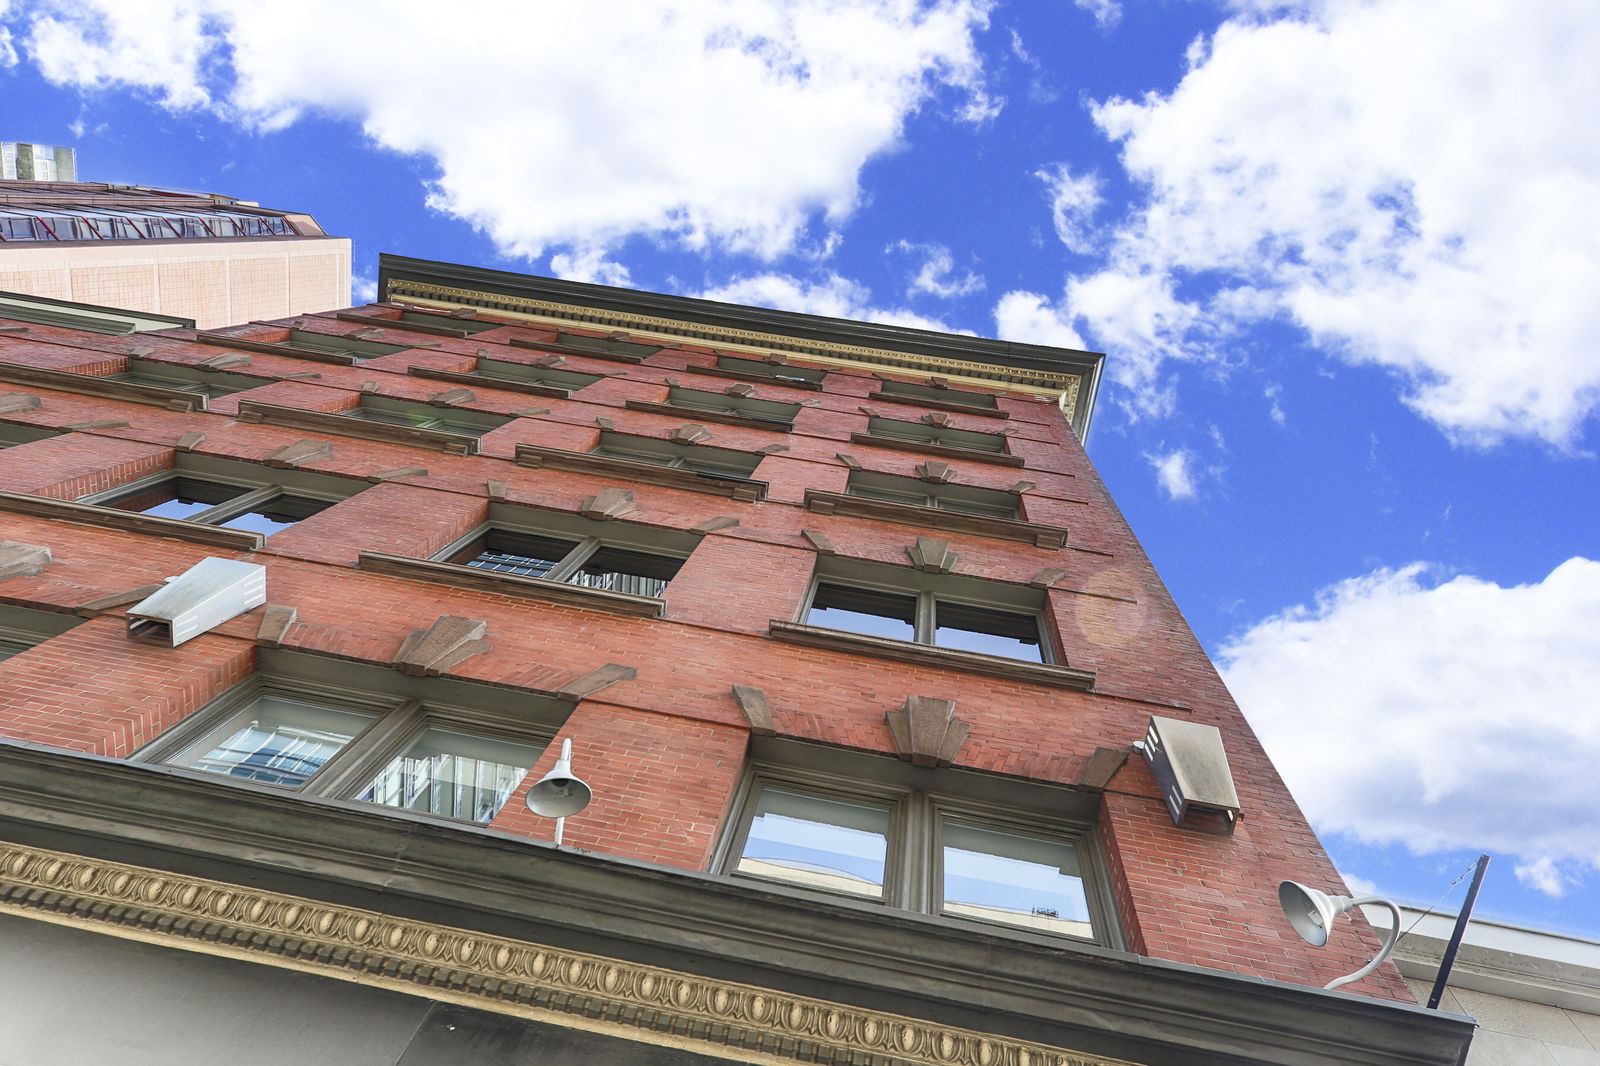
1310 912
559 794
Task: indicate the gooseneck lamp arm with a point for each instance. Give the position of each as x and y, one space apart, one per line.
1388 943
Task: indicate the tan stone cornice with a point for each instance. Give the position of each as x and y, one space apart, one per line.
570 988
1063 388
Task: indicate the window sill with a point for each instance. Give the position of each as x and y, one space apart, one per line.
114 518
953 452
700 414
245 344
576 350
910 514
941 405
483 381
755 379
515 585
738 488
343 425
90 385
905 651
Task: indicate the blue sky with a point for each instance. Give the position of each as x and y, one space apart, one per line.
1342 255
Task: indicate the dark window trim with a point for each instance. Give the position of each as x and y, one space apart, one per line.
942 405
342 425
458 575
906 651
738 488
429 328
15 434
700 414
561 347
473 379
910 514
250 344
108 388
112 518
758 379
951 451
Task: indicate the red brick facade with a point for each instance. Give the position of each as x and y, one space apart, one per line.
665 749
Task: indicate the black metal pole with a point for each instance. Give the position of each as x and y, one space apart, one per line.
1449 960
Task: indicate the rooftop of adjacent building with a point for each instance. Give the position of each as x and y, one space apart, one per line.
55 212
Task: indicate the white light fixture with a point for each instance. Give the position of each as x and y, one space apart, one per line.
558 793
1312 914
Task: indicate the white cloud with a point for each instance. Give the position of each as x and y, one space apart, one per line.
363 289
832 296
936 275
712 123
1544 876
1175 473
8 51
589 265
1458 714
1107 13
1027 316
1074 199
1417 192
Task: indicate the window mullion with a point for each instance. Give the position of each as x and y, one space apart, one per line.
343 772
913 862
248 501
926 621
573 559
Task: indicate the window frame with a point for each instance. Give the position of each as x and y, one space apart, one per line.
256 489
180 377
402 708
925 439
920 803
933 396
935 494
677 455
16 434
439 414
22 628
929 590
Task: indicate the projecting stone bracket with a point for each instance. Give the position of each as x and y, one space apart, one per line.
595 680
608 503
22 560
932 556
1101 767
300 452
926 731
935 471
275 623
448 641
753 702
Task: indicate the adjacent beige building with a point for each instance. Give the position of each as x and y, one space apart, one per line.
205 257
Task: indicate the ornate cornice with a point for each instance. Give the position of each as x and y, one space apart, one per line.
1064 388
570 988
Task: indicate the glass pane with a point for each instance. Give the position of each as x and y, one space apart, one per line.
874 492
453 774
821 843
280 514
8 648
516 553
276 740
876 614
1014 636
620 570
416 417
177 498
1021 880
1004 509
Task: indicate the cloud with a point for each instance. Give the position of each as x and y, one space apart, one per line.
831 296
1413 192
1107 13
363 289
1073 201
936 275
1028 316
1175 473
1438 714
707 123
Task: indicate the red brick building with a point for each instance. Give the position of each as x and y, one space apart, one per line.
848 639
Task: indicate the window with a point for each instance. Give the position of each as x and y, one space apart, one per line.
604 346
434 746
14 433
207 383
928 393
746 406
570 380
942 610
22 627
414 414
589 562
328 344
923 433
696 457
425 318
912 849
780 372
234 495
964 498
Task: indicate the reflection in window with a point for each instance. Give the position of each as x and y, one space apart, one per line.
397 412
276 740
264 510
923 433
780 372
877 614
1020 880
927 619
455 775
207 383
696 457
938 395
745 406
588 562
1014 636
964 498
818 842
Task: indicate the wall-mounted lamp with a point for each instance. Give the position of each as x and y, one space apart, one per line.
558 793
1312 914
1188 762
